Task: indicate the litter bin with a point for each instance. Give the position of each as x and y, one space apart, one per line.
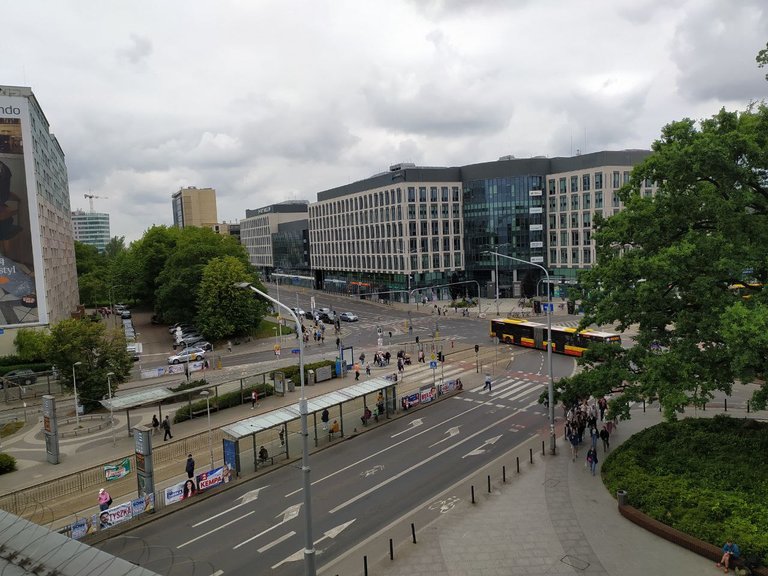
621 495
310 376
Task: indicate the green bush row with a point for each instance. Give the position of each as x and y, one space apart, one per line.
292 372
223 401
7 463
34 366
706 477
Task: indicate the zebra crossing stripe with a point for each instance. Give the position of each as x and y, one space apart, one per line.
527 392
519 385
505 389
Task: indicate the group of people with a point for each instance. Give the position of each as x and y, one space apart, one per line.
582 418
165 425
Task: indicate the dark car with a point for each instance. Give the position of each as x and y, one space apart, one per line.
21 377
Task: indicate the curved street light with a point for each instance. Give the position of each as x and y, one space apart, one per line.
551 387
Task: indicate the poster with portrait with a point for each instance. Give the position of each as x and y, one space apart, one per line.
21 288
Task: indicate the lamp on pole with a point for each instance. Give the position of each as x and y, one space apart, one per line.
551 386
206 393
74 388
111 408
309 545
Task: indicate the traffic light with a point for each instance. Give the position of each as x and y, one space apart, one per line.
477 348
537 307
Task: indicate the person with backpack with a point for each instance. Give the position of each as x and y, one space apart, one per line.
155 424
592 460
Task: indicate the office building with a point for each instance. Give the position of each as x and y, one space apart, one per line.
228 229
37 255
91 228
277 238
194 207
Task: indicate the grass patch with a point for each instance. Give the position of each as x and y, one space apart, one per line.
705 477
10 428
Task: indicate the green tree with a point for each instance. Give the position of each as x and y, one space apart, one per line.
224 309
114 247
665 265
150 255
762 59
87 258
31 344
99 351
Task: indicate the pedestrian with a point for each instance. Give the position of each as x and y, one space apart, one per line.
574 439
334 428
254 398
593 435
400 365
730 553
229 345
487 382
602 404
605 437
105 500
190 467
368 369
357 371
324 417
155 424
592 460
167 428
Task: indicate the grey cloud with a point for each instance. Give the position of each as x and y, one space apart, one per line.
138 51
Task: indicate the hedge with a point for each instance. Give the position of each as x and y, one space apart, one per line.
292 372
707 477
224 401
7 463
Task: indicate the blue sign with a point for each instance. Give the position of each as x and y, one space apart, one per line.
295 351
433 364
547 307
2 331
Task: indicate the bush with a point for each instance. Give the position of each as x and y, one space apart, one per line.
7 463
224 401
292 372
705 477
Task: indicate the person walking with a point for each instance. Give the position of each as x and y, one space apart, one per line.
357 371
487 382
254 398
190 467
605 437
155 424
324 417
368 369
592 460
105 500
167 427
229 345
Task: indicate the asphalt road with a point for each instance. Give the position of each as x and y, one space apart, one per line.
359 486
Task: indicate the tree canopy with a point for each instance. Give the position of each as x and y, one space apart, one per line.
687 268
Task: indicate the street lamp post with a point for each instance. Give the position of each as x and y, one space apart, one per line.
206 393
551 387
309 545
74 388
111 408
497 285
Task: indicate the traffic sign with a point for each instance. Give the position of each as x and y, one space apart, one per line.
433 365
547 307
295 350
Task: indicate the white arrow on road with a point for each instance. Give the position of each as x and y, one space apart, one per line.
288 514
247 497
332 533
413 424
480 450
372 471
451 433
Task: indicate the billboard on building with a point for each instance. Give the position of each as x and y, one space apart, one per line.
22 287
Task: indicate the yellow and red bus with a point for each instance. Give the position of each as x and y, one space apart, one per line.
565 340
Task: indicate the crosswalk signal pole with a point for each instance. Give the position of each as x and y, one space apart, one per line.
477 358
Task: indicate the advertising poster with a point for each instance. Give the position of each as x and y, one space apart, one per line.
79 529
117 471
113 516
210 479
230 459
21 289
410 400
174 493
427 394
143 504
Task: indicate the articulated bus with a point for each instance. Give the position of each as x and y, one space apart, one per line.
534 335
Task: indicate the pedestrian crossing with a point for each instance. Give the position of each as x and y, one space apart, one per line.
507 392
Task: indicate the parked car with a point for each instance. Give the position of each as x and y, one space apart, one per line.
189 339
182 325
348 317
22 376
299 312
198 342
125 314
133 351
187 355
328 316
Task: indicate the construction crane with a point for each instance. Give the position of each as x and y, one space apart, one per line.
92 196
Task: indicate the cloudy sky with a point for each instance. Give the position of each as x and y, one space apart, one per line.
274 100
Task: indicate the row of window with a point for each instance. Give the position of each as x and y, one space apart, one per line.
384 198
390 264
577 256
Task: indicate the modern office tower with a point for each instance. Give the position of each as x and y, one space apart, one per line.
194 207
277 239
91 228
38 277
391 232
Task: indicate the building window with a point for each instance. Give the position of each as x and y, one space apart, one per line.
552 204
626 177
563 220
455 191
574 183
564 256
585 182
587 253
574 237
598 180
587 234
615 202
586 200
444 194
551 186
553 256
598 199
563 203
422 211
411 194
616 180
433 194
574 220
587 219
423 194
564 238
562 185
574 255
552 238
574 201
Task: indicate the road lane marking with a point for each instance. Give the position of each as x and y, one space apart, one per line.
420 464
451 433
288 514
215 529
299 554
411 425
247 497
275 542
479 450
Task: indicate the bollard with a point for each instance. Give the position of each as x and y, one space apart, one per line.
489 483
365 565
391 550
517 459
747 406
413 532
473 493
704 407
542 447
643 405
725 402
530 450
504 474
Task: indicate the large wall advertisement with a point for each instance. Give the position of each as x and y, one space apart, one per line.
22 289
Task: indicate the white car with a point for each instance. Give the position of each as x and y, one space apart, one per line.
187 355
